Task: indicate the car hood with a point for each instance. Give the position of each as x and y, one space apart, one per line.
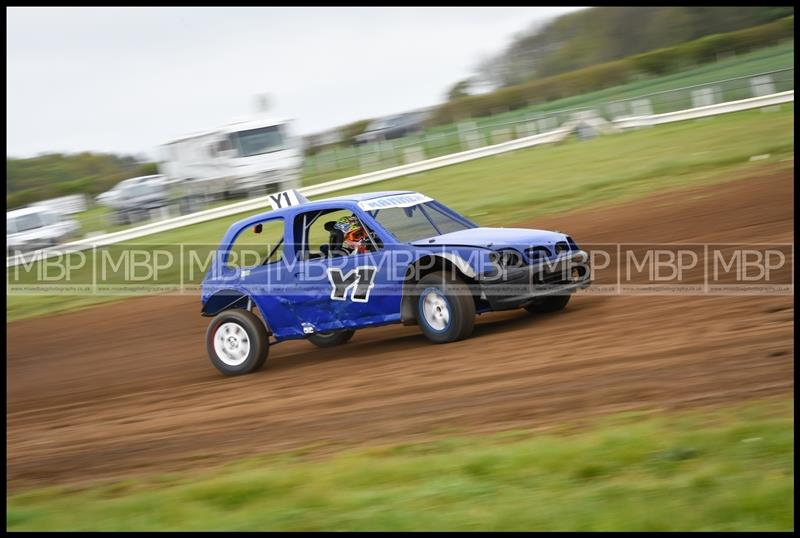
495 238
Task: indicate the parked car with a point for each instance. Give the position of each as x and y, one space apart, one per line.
107 198
33 228
392 127
333 266
133 199
110 197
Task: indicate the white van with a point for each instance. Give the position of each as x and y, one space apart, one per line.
252 157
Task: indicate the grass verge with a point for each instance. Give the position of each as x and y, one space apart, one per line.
726 469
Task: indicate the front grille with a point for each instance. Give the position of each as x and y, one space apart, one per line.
549 278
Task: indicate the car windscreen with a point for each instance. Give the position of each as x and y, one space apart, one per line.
409 224
258 141
23 223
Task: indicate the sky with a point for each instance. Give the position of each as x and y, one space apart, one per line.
126 80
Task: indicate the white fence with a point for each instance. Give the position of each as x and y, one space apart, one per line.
398 171
705 111
343 160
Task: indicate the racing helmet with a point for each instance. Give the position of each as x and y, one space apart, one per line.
355 235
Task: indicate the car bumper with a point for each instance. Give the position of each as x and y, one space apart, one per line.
519 286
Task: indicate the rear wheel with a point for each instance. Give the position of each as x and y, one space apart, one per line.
445 308
237 342
554 303
331 339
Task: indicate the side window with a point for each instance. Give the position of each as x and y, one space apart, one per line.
259 244
332 233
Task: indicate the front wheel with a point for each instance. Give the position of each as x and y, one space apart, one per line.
237 342
330 339
445 308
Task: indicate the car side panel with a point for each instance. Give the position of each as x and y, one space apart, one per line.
377 301
280 316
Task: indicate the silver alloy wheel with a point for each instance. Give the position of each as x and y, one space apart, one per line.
436 311
231 343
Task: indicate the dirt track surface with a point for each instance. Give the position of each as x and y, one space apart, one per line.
127 388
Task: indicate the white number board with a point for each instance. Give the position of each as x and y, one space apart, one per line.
282 200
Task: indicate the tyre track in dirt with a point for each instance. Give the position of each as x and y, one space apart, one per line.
126 388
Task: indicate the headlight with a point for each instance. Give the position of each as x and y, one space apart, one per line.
506 258
572 244
537 253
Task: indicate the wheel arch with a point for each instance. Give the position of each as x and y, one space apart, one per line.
231 298
426 264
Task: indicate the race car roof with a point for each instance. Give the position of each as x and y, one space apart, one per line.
310 206
365 196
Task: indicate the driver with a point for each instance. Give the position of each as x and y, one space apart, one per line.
355 236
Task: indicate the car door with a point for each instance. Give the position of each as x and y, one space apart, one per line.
341 292
258 264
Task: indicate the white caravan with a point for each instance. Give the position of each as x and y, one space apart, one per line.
252 157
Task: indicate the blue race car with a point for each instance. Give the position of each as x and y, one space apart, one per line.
320 270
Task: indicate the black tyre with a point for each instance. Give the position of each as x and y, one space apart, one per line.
330 339
553 303
237 342
445 308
